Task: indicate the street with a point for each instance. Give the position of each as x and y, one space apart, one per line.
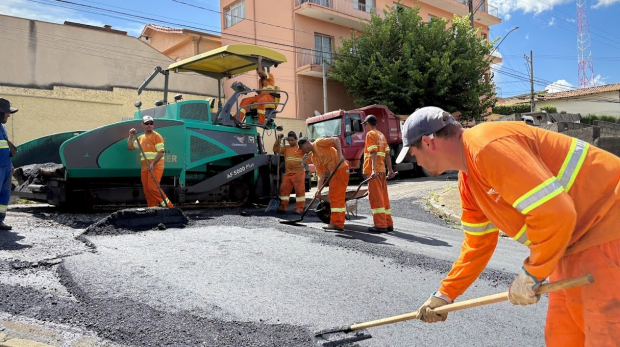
233 280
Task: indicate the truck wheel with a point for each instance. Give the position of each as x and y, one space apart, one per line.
323 211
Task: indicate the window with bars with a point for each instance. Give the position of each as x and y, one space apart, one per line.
323 47
364 5
234 13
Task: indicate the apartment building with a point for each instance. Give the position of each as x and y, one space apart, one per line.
308 31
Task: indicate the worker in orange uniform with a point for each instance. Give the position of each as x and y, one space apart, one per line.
326 154
555 194
266 81
294 175
153 145
376 155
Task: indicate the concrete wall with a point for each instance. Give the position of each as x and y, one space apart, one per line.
610 144
589 104
43 55
43 112
608 129
588 134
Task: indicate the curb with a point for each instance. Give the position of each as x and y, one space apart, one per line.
443 212
23 343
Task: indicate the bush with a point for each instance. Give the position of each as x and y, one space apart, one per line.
562 112
549 109
590 118
511 109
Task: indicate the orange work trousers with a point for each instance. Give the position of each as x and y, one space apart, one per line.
586 316
337 193
289 181
380 202
260 109
153 198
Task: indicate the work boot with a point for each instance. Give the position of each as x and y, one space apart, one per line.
390 229
299 212
377 230
331 227
5 227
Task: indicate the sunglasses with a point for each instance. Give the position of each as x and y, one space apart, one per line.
148 123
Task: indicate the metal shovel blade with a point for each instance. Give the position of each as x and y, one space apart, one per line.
292 222
339 336
273 206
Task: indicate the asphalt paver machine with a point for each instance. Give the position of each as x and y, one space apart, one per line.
211 158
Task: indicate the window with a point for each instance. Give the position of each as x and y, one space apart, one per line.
234 14
364 5
326 128
323 47
430 17
399 7
484 36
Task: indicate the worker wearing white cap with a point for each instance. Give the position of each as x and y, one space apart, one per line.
153 145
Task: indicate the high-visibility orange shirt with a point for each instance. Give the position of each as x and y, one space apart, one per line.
151 144
267 83
293 158
555 194
375 143
326 158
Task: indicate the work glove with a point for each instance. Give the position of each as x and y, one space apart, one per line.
522 290
426 311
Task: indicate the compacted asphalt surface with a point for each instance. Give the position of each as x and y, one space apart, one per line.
238 277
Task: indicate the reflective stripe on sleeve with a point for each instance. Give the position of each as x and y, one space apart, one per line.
159 147
521 236
572 163
370 148
388 211
3 144
149 156
294 159
539 195
479 228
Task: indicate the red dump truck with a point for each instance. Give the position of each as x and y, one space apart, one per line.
347 127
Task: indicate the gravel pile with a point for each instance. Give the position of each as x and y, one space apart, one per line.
139 219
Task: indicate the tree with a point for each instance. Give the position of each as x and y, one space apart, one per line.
402 62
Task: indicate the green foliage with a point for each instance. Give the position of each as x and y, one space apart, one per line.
562 112
590 118
402 62
549 109
512 109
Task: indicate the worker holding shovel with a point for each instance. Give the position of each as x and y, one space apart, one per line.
294 174
152 147
326 154
376 154
555 194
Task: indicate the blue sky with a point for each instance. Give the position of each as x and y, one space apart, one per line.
547 27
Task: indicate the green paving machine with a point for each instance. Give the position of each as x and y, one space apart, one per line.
211 159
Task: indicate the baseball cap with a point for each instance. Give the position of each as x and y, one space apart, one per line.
5 106
424 121
147 119
370 119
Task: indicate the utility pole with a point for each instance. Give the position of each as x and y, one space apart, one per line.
470 3
531 61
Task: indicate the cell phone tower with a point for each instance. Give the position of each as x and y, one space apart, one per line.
584 60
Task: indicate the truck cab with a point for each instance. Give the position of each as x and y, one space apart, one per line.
347 127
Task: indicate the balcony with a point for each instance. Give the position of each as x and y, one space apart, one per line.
486 14
309 62
340 12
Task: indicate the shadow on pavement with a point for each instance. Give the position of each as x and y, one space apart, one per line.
8 241
417 239
359 232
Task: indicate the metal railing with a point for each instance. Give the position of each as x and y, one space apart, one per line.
347 7
313 57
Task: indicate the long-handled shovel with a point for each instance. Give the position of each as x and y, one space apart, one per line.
357 332
294 222
163 198
274 204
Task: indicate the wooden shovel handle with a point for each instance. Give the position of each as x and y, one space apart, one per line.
485 300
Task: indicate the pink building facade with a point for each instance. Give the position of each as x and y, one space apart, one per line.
307 31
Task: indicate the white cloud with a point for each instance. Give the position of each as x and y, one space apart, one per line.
552 22
507 16
527 37
605 3
508 6
599 80
559 86
30 10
